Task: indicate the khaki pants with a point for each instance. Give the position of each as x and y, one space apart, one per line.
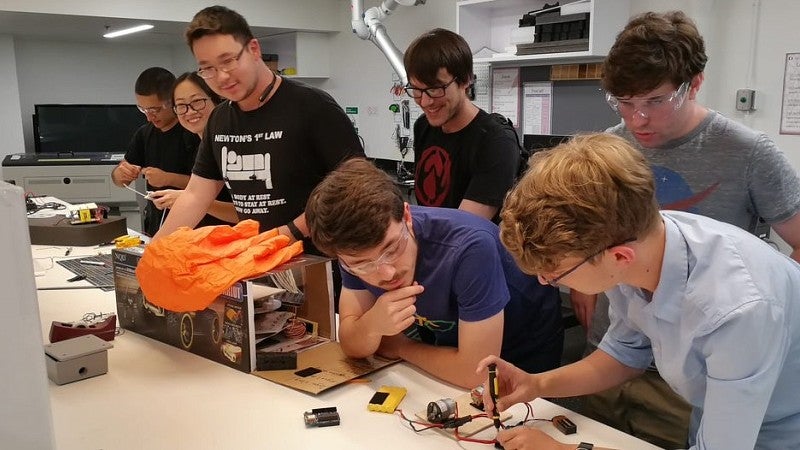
645 407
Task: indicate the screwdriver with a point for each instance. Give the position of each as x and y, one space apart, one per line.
493 389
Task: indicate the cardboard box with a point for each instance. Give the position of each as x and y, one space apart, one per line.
234 327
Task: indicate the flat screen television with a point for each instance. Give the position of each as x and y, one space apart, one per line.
84 128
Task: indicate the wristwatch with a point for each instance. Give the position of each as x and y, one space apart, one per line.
584 446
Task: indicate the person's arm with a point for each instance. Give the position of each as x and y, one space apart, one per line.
479 209
165 198
160 178
191 205
596 372
526 438
455 364
774 187
131 165
224 211
124 173
789 231
301 228
365 320
583 305
481 293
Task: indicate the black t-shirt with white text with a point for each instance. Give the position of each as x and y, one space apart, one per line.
271 158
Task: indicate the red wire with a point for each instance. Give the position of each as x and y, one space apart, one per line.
456 434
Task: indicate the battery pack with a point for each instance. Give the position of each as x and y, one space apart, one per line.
386 399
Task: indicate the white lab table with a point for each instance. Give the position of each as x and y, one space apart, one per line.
155 396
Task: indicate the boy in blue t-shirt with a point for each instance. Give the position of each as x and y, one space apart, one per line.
432 286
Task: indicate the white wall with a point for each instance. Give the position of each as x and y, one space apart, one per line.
10 124
777 34
361 76
65 72
299 14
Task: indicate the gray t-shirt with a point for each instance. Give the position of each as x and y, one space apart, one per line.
722 170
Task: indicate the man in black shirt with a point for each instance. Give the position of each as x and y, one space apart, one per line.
161 150
464 157
270 144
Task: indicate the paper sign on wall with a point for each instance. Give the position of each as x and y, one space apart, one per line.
790 109
537 104
505 92
483 72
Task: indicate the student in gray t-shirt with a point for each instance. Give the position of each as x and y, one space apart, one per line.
703 163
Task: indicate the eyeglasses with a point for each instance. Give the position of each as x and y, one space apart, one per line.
554 281
387 257
433 92
152 110
197 104
652 106
228 65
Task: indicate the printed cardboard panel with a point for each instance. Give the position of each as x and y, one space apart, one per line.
225 331
230 330
219 332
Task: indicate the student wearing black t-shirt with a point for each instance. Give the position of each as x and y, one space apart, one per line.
270 143
193 101
463 157
161 150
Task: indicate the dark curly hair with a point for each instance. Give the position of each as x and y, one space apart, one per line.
654 48
351 209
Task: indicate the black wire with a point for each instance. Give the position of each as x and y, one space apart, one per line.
48 205
411 423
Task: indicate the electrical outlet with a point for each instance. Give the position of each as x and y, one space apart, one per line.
745 100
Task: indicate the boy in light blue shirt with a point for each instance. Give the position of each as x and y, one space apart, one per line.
713 306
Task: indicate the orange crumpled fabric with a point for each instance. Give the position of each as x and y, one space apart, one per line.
188 269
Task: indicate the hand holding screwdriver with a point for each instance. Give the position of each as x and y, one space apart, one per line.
493 389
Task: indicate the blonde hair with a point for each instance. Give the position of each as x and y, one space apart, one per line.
576 199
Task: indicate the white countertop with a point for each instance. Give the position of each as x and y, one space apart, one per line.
156 396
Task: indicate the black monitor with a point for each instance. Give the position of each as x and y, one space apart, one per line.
85 128
535 142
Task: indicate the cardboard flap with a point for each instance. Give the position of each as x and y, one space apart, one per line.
324 367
